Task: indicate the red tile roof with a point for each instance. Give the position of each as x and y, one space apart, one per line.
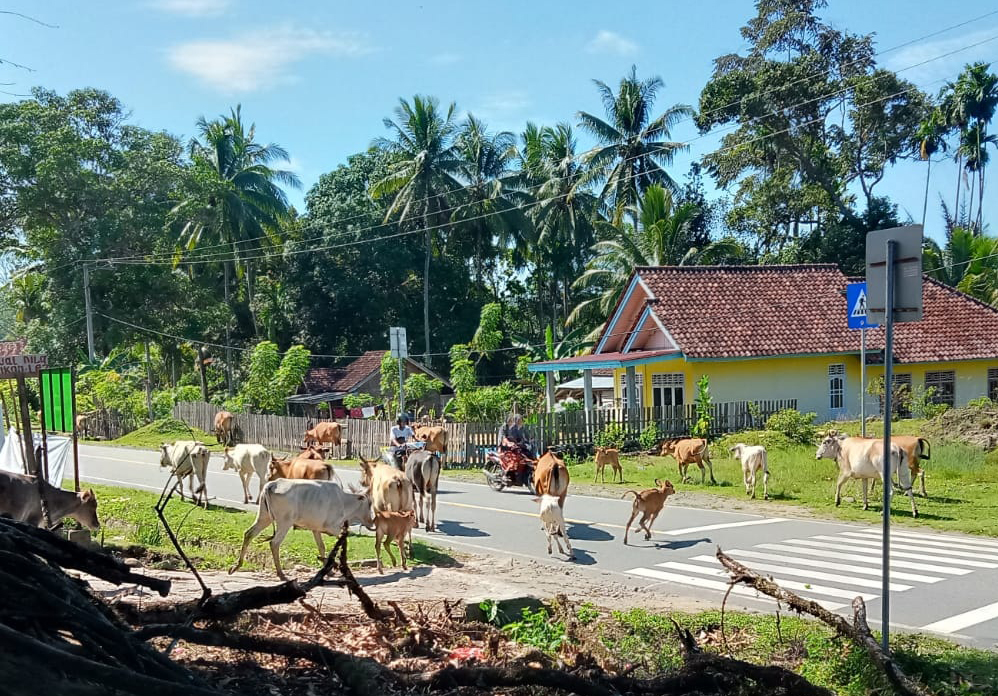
580 361
343 379
756 311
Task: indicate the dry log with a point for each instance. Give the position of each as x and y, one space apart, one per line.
858 631
216 608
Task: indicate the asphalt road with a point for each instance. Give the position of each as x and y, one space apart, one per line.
944 584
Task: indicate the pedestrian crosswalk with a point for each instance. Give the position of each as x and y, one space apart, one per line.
832 569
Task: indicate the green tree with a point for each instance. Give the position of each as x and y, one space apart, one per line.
931 139
634 146
271 379
421 176
967 262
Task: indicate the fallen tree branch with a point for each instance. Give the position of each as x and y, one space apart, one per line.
216 608
858 631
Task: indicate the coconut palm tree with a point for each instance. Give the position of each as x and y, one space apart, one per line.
931 137
422 176
634 146
967 262
662 238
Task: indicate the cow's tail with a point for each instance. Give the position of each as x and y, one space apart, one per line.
703 454
555 483
923 448
626 493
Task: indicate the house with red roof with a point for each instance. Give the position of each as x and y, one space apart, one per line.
780 333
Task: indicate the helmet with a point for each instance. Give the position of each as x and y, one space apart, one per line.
402 417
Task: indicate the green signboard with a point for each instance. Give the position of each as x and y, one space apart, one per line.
57 400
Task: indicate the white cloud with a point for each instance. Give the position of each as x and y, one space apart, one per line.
260 59
294 165
505 102
445 59
193 8
611 42
943 59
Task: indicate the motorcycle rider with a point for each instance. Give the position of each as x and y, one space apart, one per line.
401 434
513 437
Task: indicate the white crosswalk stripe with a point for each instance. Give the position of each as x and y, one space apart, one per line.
905 551
816 574
962 546
992 543
789 584
821 549
815 563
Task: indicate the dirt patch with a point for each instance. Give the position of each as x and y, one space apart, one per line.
974 426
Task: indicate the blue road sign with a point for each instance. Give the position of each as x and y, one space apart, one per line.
856 306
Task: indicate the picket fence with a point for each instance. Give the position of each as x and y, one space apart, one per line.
467 443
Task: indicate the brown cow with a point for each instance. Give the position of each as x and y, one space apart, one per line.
434 436
307 465
604 456
223 428
389 527
551 477
325 432
83 424
388 487
688 451
649 503
917 448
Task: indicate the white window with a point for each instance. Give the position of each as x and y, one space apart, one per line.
993 384
836 386
945 383
639 383
667 389
901 395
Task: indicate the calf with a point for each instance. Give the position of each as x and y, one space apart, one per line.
423 472
553 521
604 456
325 432
20 499
83 424
223 427
860 458
551 477
187 458
389 527
753 459
247 460
320 506
649 503
309 465
690 451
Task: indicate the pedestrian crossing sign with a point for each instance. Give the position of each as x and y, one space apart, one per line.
856 306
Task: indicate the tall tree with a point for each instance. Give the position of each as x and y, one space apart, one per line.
967 262
422 176
931 139
634 146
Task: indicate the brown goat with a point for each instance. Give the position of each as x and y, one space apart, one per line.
649 503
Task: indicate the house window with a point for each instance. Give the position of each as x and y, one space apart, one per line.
993 384
667 389
945 383
639 383
901 395
836 386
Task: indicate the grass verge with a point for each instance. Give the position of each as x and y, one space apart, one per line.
212 537
154 434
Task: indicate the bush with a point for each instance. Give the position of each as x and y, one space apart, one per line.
610 436
650 437
795 425
537 629
981 403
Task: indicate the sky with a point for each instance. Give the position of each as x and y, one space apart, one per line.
319 76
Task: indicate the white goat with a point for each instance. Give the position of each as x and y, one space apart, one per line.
554 523
753 459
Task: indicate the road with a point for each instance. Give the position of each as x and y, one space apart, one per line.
940 583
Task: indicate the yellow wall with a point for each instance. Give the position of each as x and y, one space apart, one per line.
802 378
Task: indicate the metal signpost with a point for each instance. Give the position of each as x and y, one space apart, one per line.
399 348
856 318
894 282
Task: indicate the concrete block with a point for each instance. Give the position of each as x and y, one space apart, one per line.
510 609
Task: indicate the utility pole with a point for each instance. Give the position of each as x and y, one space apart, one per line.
228 335
148 383
89 311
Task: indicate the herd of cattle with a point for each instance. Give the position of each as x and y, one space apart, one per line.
300 491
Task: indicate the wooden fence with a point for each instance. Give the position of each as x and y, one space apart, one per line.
106 424
467 443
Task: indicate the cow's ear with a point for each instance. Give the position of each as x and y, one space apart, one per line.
87 495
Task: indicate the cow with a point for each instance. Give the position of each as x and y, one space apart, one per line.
309 464
187 458
325 432
389 527
551 477
753 459
649 503
553 522
388 487
320 506
83 424
604 456
423 472
434 436
690 451
247 460
916 448
861 458
223 428
20 499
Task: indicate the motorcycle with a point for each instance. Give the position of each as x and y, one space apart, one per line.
508 468
389 457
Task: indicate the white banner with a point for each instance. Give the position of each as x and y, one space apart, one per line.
12 455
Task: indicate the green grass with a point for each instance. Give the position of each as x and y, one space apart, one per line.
212 537
154 434
805 646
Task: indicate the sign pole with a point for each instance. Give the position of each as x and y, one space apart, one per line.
862 380
888 412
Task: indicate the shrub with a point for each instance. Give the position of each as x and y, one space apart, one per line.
981 403
650 436
538 629
705 419
795 425
610 436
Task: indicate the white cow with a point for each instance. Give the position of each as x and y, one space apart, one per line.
860 458
553 521
187 458
247 460
321 506
754 460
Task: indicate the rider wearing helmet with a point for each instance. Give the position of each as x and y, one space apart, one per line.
401 434
513 436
